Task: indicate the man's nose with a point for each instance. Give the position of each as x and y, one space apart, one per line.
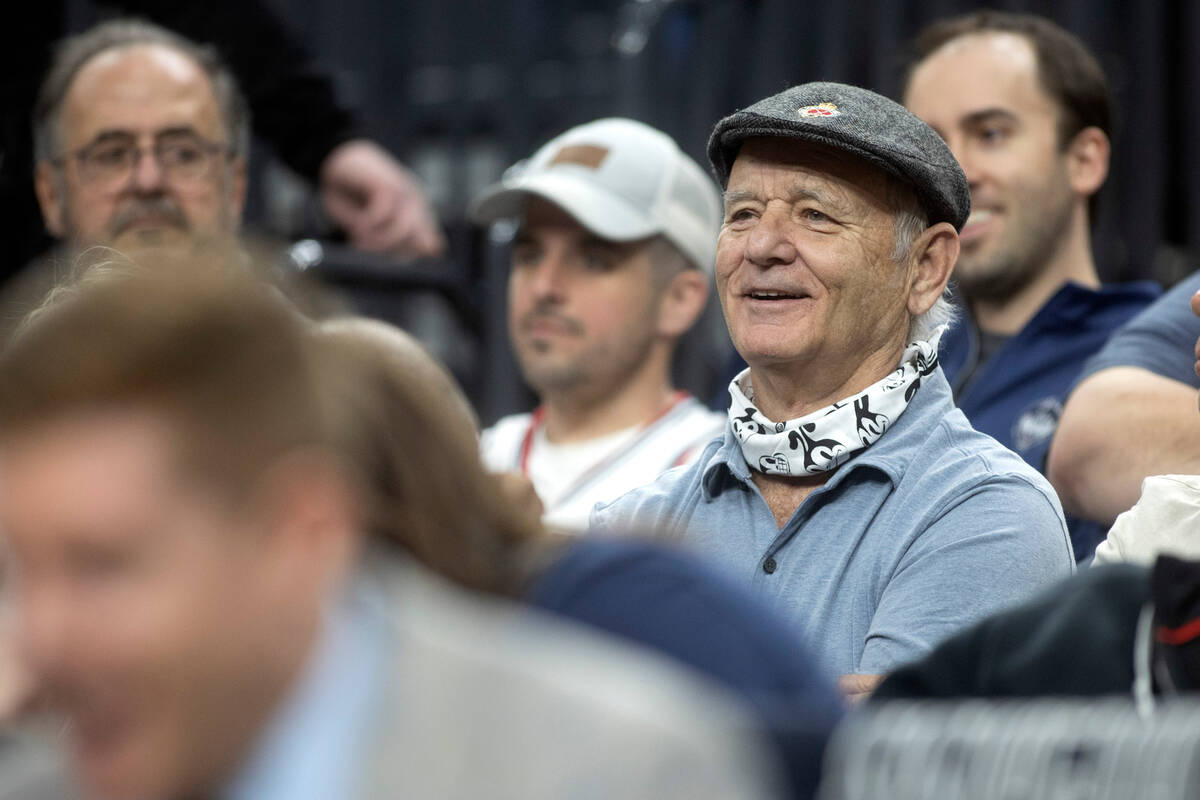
148 175
769 241
550 277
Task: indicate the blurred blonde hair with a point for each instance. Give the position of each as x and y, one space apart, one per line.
405 427
245 377
221 355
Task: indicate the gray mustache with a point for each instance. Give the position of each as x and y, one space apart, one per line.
136 208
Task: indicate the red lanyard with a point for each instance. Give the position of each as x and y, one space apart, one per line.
539 413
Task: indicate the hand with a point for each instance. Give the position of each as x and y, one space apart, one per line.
856 688
378 202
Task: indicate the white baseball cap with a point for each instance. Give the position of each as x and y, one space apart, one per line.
622 181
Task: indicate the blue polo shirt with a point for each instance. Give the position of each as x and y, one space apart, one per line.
928 530
312 748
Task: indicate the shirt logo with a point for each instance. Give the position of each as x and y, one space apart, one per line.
819 110
1037 423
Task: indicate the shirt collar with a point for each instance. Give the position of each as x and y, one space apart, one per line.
310 748
891 455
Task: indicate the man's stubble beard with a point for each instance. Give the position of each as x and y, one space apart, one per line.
592 376
1032 239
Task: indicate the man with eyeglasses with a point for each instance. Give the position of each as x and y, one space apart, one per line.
364 190
140 138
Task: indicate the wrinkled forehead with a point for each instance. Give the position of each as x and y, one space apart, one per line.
140 89
798 164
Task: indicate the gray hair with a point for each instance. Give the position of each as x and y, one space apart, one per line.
909 221
72 53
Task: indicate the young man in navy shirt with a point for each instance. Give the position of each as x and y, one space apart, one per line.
1025 109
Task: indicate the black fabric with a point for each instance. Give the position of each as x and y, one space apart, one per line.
294 106
1175 587
293 103
24 54
1074 640
990 344
986 345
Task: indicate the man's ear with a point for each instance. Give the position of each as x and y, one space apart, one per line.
47 185
682 301
933 256
1087 161
308 513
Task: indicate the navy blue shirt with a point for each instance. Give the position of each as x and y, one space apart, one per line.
1162 339
671 603
1017 396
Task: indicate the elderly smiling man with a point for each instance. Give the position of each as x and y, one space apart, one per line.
847 487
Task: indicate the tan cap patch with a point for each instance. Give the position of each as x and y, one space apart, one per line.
585 155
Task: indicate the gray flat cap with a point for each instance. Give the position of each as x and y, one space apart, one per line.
859 122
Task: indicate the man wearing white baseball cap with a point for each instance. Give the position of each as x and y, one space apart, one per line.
611 264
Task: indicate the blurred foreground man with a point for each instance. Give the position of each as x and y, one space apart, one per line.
847 487
1025 109
194 592
610 266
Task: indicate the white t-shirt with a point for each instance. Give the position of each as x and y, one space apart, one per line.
571 478
1165 520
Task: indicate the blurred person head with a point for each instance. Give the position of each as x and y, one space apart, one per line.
611 259
175 522
841 211
1025 108
140 138
481 530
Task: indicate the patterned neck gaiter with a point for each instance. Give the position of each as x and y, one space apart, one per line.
825 439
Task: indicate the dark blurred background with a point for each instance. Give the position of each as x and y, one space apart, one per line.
460 90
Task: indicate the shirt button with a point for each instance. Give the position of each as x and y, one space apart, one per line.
769 565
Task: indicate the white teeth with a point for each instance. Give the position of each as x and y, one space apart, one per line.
979 216
771 295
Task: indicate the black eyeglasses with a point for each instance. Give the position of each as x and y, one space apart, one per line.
183 157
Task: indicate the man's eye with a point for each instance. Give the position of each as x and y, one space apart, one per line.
110 155
993 134
182 154
812 215
595 261
525 255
